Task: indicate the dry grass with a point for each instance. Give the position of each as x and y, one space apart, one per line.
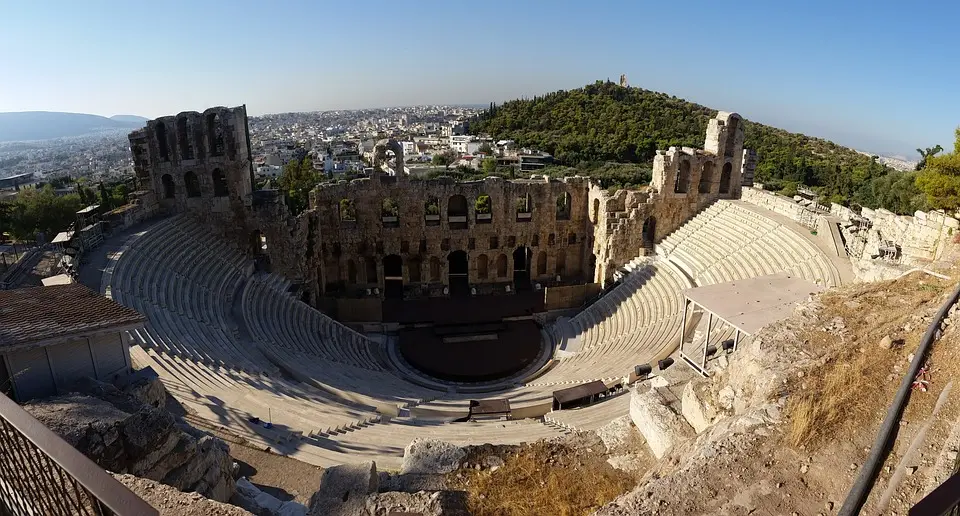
821 409
546 478
859 378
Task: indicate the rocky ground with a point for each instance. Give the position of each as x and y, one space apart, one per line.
793 415
172 502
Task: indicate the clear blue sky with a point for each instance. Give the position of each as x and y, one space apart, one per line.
880 75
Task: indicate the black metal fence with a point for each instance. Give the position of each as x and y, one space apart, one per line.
40 473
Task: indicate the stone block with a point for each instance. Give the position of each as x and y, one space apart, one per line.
695 407
430 456
348 481
660 426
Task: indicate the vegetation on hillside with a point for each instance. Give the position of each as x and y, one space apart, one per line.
604 122
940 179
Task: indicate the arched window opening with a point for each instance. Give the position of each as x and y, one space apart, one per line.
214 134
596 211
434 269
431 210
482 266
731 142
649 231
392 277
706 178
347 211
542 263
502 266
572 238
563 206
483 209
169 189
457 212
524 208
683 177
389 213
458 274
413 270
162 145
351 272
258 242
521 268
561 262
183 139
370 268
219 184
725 178
192 182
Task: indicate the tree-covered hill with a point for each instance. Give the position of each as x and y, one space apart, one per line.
605 122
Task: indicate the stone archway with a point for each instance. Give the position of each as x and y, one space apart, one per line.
458 274
521 268
649 231
392 277
725 178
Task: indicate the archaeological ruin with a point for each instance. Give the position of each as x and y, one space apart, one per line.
390 236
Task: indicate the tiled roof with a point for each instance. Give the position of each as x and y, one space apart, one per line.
40 313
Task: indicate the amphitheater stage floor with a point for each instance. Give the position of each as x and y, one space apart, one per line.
469 310
431 350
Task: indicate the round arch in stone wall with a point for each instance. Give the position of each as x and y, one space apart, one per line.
706 178
725 178
392 277
521 268
458 274
169 188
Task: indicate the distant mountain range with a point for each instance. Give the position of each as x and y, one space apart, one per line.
47 125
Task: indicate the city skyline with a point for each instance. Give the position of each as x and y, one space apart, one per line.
833 71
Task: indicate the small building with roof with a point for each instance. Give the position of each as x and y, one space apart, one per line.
52 336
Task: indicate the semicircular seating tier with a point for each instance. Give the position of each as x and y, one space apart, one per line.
220 335
730 241
637 322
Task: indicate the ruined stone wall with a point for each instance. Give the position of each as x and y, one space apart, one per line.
198 162
922 237
777 203
748 167
685 180
344 244
142 205
353 251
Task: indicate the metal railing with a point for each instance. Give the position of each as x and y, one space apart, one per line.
942 501
40 473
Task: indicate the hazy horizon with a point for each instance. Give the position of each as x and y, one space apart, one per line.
825 69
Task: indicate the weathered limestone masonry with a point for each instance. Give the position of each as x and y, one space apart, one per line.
490 235
920 239
200 163
684 181
364 243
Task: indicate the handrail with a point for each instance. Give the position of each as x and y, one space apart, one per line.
106 490
858 493
941 500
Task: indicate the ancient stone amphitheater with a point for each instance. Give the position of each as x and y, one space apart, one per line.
232 285
230 343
